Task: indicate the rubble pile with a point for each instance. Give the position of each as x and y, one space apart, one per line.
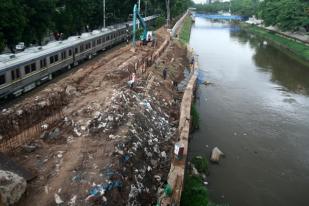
144 152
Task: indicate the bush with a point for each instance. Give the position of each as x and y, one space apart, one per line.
195 193
195 117
160 21
201 164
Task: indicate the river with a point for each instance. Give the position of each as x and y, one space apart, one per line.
257 112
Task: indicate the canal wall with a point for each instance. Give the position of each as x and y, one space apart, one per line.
177 169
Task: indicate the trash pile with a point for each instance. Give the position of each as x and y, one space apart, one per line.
144 152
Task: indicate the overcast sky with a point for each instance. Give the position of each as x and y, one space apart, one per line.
199 1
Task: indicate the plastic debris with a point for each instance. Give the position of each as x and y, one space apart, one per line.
58 199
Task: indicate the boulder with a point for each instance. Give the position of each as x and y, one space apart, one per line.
216 154
12 187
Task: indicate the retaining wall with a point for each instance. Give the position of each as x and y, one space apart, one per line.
177 170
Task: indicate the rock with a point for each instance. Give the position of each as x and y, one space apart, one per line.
54 134
12 187
216 154
29 147
194 171
163 154
70 90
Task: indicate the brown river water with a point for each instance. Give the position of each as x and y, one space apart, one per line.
257 112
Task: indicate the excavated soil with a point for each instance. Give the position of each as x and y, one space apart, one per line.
92 139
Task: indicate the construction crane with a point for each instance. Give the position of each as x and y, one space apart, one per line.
137 15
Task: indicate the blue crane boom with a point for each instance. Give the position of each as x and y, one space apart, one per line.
137 15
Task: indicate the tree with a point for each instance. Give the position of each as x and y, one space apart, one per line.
2 44
12 22
39 19
168 12
286 14
244 7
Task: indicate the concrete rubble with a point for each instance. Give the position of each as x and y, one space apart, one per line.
215 155
12 187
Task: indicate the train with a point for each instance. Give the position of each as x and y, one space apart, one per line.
23 71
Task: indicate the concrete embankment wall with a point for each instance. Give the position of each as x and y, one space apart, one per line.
177 170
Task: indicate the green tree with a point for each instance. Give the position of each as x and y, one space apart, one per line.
2 44
286 14
39 15
12 22
244 7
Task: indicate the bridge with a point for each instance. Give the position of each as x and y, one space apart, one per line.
220 17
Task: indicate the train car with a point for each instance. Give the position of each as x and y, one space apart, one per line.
21 72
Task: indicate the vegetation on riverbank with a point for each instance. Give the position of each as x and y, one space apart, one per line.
289 15
185 31
299 49
195 192
195 117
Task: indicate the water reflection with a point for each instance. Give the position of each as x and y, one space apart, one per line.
272 60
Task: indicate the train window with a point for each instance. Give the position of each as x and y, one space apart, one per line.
93 43
103 39
33 67
63 55
87 46
56 57
43 63
107 38
76 50
81 48
27 69
2 79
99 41
51 59
15 74
70 52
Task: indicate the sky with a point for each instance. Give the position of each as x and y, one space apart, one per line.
199 1
202 1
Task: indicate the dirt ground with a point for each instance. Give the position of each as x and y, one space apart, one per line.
111 145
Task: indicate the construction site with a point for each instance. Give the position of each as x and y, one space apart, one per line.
90 138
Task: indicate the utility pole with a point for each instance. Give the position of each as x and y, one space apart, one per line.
104 25
139 10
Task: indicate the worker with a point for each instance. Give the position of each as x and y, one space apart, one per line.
192 63
175 85
164 73
149 38
154 40
132 81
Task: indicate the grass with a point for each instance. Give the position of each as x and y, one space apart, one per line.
185 31
195 193
195 117
299 49
201 164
